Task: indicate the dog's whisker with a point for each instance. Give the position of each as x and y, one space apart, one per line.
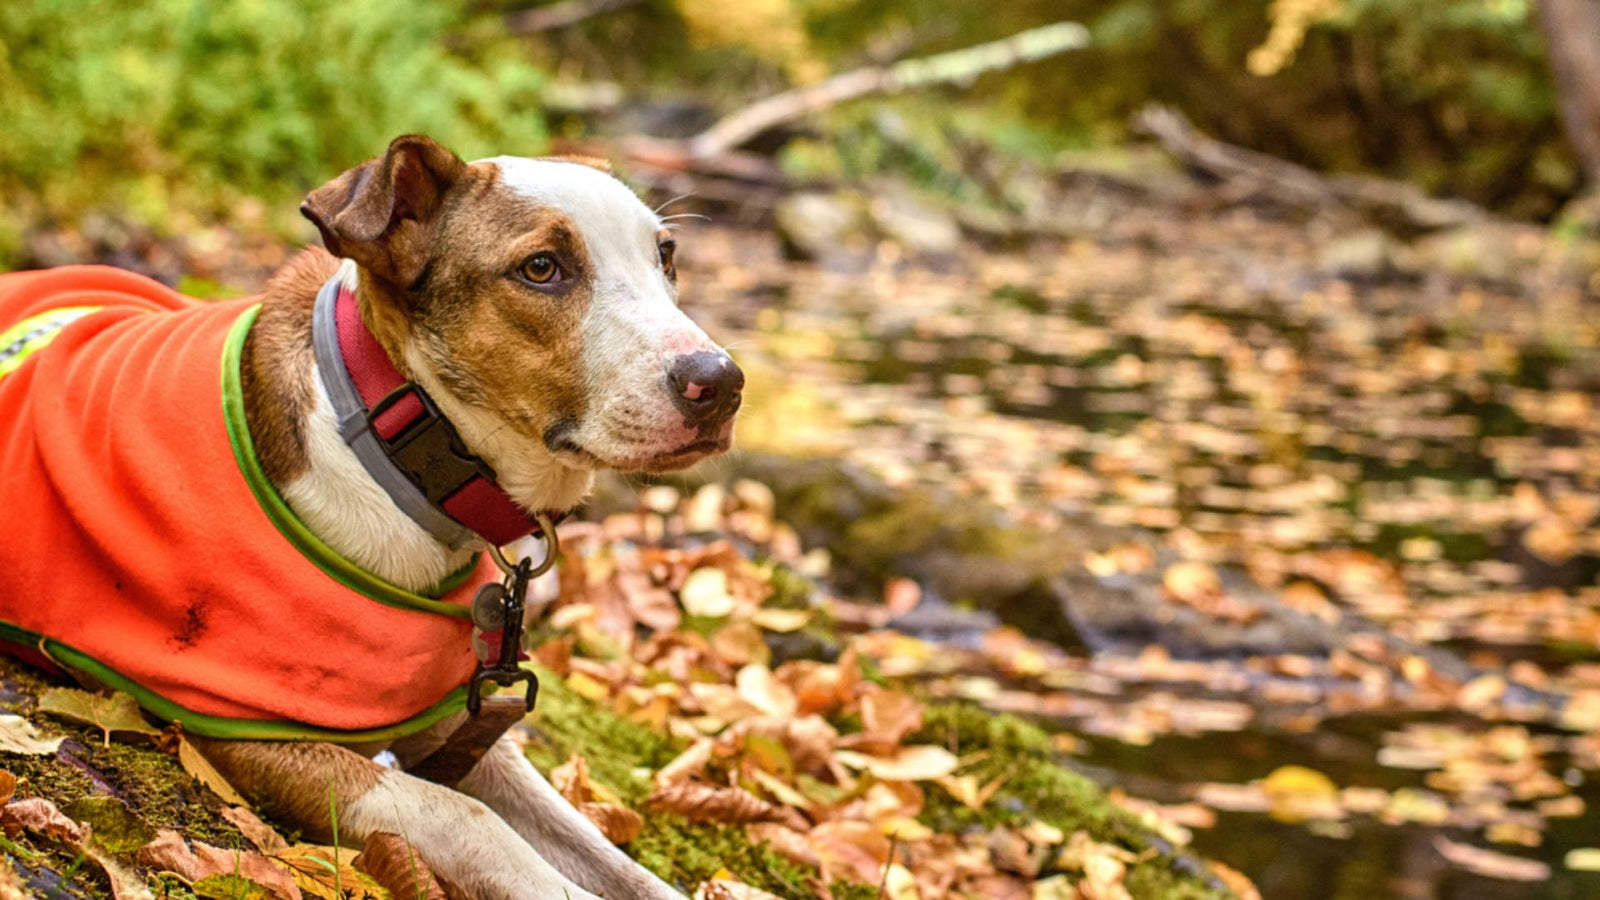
703 218
658 209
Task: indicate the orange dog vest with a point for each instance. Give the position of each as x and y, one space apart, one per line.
146 549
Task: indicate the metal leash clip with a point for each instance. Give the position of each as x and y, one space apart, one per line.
500 607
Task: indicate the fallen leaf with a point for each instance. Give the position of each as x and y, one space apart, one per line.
229 886
722 889
709 803
10 883
222 870
264 836
111 713
126 882
198 766
760 689
901 596
1490 863
618 823
18 735
1298 794
8 786
781 621
1583 859
854 850
112 824
320 872
40 815
705 594
1241 885
392 862
921 762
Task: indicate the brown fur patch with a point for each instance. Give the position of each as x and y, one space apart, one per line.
291 779
276 366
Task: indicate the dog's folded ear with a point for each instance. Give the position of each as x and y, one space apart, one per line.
380 213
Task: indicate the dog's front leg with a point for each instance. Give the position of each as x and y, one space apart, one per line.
457 836
512 787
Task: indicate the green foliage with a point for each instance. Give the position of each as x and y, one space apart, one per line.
182 105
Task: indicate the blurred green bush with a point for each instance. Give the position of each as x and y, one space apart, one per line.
160 108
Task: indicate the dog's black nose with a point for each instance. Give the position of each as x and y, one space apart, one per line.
705 385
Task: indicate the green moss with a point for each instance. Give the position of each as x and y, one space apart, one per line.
1038 788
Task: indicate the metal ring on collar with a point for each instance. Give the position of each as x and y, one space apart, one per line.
552 549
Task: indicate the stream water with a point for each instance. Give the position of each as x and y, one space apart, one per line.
1214 383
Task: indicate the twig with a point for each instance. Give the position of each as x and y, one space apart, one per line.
1398 207
561 15
956 66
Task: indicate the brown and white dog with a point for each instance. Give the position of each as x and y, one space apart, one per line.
535 301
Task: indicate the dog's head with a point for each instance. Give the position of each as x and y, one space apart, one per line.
536 300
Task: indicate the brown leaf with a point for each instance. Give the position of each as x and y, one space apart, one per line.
8 786
392 862
259 869
848 849
786 842
1237 881
618 823
709 803
258 832
169 853
40 815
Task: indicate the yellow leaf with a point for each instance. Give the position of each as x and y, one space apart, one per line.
197 765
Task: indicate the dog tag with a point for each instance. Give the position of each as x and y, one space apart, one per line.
489 607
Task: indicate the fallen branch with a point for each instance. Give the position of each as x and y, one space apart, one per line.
1396 207
561 15
956 66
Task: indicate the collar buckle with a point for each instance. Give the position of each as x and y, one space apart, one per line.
427 449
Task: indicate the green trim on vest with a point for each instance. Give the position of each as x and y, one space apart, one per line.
224 728
283 518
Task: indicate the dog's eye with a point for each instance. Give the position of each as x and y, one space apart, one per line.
541 269
667 249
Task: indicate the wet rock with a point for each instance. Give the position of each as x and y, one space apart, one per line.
918 226
830 229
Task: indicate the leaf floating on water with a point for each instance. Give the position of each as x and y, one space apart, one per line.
1298 794
1583 859
1490 863
111 713
18 735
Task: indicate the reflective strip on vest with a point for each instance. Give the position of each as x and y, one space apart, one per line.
33 334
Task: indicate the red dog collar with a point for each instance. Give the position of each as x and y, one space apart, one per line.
401 437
